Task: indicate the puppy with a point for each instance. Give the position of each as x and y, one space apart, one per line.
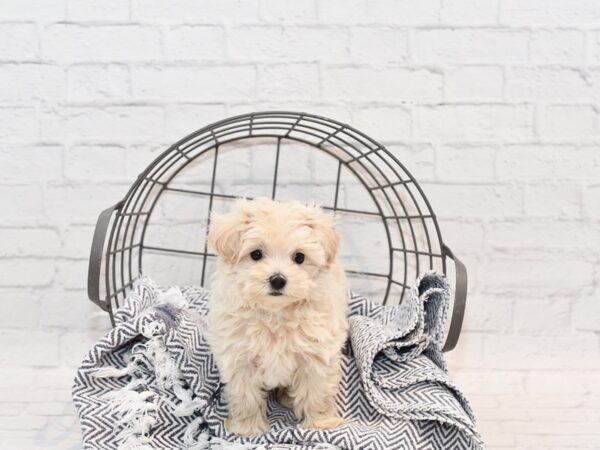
278 312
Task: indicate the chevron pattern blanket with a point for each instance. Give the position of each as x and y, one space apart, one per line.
151 383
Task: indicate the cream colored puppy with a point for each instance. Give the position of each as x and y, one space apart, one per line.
278 312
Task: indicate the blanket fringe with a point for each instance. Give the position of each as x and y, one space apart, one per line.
135 405
113 372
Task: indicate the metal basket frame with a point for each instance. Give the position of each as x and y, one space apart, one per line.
382 175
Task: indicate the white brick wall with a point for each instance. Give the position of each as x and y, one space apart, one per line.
492 104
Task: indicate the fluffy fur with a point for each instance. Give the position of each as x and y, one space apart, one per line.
289 340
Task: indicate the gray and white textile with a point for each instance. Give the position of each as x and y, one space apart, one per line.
151 383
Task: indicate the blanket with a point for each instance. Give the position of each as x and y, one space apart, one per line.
152 383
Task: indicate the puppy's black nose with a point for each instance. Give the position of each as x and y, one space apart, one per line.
277 281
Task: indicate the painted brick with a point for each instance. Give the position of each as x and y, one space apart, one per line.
30 242
19 41
20 309
562 46
74 345
468 236
101 43
287 81
183 119
194 83
113 124
460 123
71 311
21 164
474 83
289 43
190 10
82 162
451 163
72 274
563 123
32 10
466 45
542 382
543 233
470 354
275 10
548 84
139 156
497 382
585 313
547 315
402 12
387 85
591 200
470 12
553 201
32 82
419 159
91 201
88 82
317 106
558 13
378 44
594 47
20 203
543 352
558 441
109 10
26 272
195 43
489 314
19 124
475 200
76 241
389 124
507 276
548 162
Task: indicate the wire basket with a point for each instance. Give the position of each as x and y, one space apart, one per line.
159 227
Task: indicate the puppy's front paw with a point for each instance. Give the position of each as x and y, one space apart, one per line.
248 426
284 398
323 423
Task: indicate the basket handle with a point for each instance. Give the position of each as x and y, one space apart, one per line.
460 301
96 255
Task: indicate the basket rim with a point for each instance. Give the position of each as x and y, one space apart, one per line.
298 116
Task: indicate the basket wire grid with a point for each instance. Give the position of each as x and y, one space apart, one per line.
412 235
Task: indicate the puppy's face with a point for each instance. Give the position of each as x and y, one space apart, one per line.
275 250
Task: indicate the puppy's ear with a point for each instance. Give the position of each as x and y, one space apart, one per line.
225 233
324 227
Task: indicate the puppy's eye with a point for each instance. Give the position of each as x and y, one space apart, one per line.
256 255
299 258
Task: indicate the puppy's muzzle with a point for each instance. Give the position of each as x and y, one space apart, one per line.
277 282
